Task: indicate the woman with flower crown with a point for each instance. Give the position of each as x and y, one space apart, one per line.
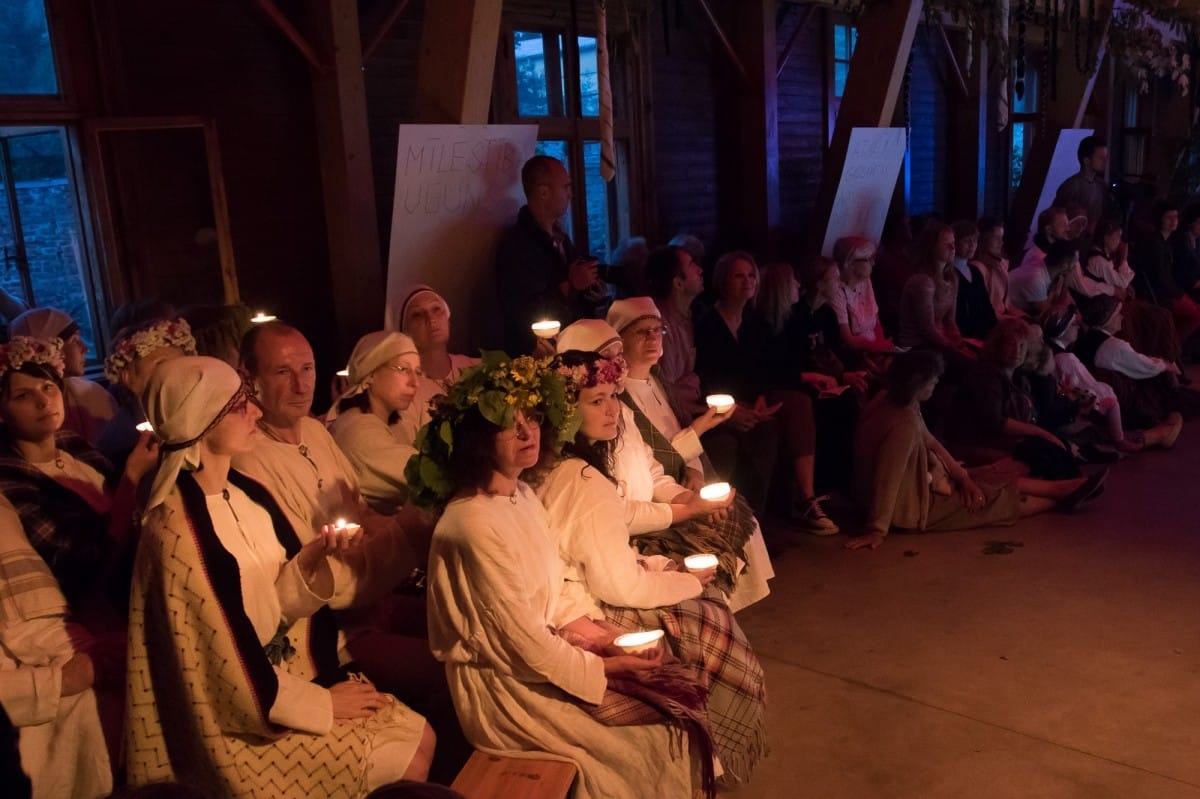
65 533
230 627
533 673
606 575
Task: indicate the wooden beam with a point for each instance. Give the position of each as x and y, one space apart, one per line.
885 38
344 154
966 139
1063 111
809 11
383 29
458 59
952 57
292 33
725 43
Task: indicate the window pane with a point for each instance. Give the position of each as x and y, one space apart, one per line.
26 60
1131 109
533 99
597 202
841 43
53 247
840 73
589 87
557 148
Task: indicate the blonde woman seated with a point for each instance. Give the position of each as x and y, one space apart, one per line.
72 510
88 407
234 682
532 675
384 374
854 300
907 480
582 499
425 316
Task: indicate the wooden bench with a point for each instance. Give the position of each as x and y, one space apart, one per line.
495 777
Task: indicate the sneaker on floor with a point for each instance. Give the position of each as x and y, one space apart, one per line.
809 516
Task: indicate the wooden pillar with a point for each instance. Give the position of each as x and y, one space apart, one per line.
1063 111
344 152
885 38
966 156
458 57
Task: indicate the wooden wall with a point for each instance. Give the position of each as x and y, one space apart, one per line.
802 125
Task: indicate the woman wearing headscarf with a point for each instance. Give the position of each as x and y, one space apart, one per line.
88 407
229 624
73 511
385 371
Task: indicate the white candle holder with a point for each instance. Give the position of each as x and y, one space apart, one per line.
144 427
715 492
546 329
345 530
721 403
642 641
699 563
262 316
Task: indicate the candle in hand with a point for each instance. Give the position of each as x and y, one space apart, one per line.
262 316
715 491
721 403
633 643
699 563
546 329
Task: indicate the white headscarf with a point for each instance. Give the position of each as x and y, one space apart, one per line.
371 352
185 398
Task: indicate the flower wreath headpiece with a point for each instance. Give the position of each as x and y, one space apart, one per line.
498 387
602 371
25 349
144 340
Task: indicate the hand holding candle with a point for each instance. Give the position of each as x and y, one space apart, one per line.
702 566
721 403
546 329
638 642
341 536
262 316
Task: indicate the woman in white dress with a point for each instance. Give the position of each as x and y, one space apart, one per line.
530 672
228 619
582 499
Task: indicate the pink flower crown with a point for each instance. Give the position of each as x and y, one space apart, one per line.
604 371
26 349
143 341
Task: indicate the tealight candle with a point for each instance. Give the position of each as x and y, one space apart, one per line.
262 316
721 403
547 329
343 372
715 491
144 427
699 563
345 530
641 641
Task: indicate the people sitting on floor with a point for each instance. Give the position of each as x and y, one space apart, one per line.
229 624
583 503
906 480
530 669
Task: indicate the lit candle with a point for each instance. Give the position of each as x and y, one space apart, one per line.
633 643
343 373
547 329
699 563
715 491
345 530
262 316
145 427
721 403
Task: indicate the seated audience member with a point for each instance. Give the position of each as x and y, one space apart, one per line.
89 408
743 454
930 298
994 417
74 512
425 316
991 263
229 624
973 311
1061 328
854 301
893 267
1152 260
136 351
538 273
629 263
498 616
1030 283
658 460
733 344
218 329
384 373
1147 387
583 504
692 244
778 291
1185 258
907 480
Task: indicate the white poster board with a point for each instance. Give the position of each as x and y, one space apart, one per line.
1064 164
864 193
457 188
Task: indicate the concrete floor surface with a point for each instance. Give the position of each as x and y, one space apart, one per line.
927 668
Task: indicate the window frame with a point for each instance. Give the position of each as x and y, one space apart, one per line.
833 103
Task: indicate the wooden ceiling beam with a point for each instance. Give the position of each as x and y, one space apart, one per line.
383 29
291 33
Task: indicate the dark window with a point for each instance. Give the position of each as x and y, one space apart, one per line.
26 57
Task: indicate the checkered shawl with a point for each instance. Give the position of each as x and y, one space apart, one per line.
673 693
61 526
704 635
666 454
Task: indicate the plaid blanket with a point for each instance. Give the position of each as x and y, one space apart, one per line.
61 526
704 635
726 539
